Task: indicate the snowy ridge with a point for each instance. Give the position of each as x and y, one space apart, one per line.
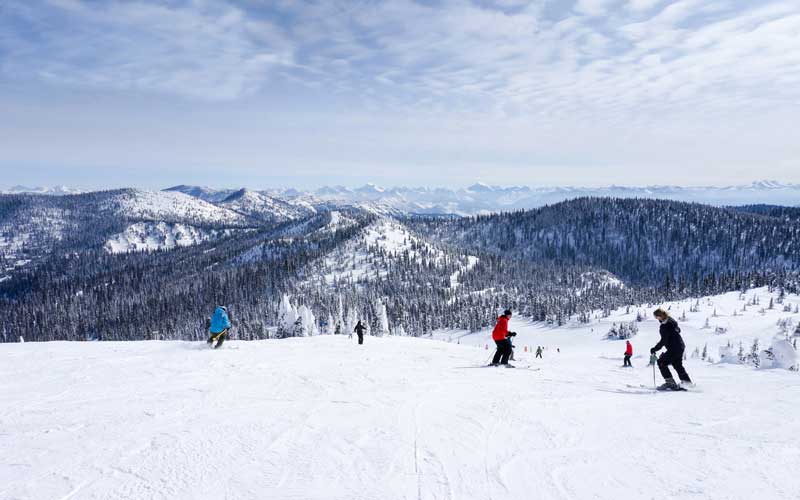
164 206
144 236
370 255
261 206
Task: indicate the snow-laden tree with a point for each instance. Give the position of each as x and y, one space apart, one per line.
287 318
308 322
780 354
382 323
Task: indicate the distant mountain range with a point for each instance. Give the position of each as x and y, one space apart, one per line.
482 198
478 198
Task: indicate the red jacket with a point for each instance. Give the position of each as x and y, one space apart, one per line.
629 349
500 329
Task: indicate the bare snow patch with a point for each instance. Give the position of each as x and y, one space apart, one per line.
144 236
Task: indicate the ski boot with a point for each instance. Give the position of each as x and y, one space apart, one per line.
668 385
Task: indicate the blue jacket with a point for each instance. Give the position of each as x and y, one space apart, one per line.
220 320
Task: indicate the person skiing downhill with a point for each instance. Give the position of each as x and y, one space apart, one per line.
628 354
501 337
360 329
219 326
671 339
539 352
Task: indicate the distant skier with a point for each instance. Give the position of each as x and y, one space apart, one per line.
219 326
628 354
539 352
671 339
360 329
501 337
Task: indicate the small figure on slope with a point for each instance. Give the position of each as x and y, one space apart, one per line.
360 329
628 354
501 335
219 326
671 339
539 352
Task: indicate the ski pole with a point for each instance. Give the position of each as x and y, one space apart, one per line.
654 375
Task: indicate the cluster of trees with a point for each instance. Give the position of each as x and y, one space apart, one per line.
623 331
682 247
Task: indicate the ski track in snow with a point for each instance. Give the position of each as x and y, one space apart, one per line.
396 418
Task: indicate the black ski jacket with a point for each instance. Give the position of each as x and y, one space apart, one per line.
359 329
670 336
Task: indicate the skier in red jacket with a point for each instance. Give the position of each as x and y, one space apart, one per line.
501 335
628 354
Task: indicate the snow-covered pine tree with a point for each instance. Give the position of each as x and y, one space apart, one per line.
704 355
382 321
754 354
287 317
298 330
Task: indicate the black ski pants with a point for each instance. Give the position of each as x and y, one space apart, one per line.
674 358
503 352
219 337
360 338
627 360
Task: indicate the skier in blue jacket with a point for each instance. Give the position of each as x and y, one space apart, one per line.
218 327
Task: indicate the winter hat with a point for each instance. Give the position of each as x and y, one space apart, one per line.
507 312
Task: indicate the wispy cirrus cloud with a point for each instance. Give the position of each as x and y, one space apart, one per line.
585 82
204 49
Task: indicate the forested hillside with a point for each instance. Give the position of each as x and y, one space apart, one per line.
323 271
660 243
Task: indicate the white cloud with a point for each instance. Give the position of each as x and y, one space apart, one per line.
205 49
594 7
447 83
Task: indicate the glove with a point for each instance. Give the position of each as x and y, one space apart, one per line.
652 350
511 334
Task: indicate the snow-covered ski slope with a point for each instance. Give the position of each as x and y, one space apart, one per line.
397 418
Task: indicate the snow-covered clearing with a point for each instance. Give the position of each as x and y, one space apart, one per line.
160 236
396 418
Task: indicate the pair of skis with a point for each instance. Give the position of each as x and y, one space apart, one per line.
646 389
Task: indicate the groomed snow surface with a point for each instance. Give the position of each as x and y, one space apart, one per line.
397 418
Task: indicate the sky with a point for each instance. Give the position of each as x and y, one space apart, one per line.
298 93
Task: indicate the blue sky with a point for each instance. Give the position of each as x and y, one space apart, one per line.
398 92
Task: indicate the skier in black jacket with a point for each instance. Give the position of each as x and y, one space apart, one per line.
360 329
672 340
